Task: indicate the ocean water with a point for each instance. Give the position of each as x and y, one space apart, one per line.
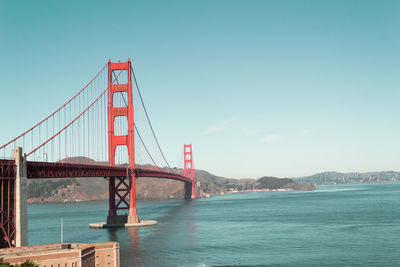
346 225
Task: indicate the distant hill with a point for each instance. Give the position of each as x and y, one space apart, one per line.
84 189
273 182
212 184
327 178
281 183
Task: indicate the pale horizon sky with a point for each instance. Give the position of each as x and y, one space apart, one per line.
260 88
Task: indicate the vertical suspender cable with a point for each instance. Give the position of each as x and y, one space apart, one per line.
148 119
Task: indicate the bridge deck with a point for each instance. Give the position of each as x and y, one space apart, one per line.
40 170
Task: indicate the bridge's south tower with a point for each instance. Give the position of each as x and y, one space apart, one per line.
188 170
117 186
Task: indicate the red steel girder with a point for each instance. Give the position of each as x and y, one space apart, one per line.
123 198
7 226
7 169
161 174
37 170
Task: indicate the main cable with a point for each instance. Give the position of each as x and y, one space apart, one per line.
148 119
73 121
137 131
51 115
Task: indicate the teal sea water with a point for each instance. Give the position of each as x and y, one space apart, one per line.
346 225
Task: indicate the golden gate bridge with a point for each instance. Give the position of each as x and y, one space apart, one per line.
92 135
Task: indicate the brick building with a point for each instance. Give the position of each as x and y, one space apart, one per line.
66 255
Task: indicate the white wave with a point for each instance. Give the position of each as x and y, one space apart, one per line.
337 190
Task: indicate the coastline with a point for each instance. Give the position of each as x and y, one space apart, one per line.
85 198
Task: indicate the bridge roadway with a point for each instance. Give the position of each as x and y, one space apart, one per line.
40 170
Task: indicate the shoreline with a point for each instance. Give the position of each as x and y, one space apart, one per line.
205 195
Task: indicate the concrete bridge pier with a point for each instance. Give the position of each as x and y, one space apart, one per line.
188 191
21 189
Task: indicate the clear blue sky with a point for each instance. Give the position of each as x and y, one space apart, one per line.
283 88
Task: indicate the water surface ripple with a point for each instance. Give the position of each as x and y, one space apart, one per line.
345 225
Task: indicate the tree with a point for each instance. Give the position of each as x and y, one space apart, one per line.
27 263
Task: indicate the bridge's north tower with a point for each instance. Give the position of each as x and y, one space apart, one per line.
117 185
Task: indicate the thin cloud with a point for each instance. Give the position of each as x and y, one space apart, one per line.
269 138
248 131
217 127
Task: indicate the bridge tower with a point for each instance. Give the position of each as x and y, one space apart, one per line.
188 171
117 185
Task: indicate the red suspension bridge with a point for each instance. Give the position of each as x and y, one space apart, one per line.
93 134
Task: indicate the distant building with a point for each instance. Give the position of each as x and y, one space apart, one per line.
66 255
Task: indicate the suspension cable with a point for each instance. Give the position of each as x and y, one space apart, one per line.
134 125
145 146
45 119
82 113
148 119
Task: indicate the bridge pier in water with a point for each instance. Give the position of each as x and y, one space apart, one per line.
118 186
189 192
